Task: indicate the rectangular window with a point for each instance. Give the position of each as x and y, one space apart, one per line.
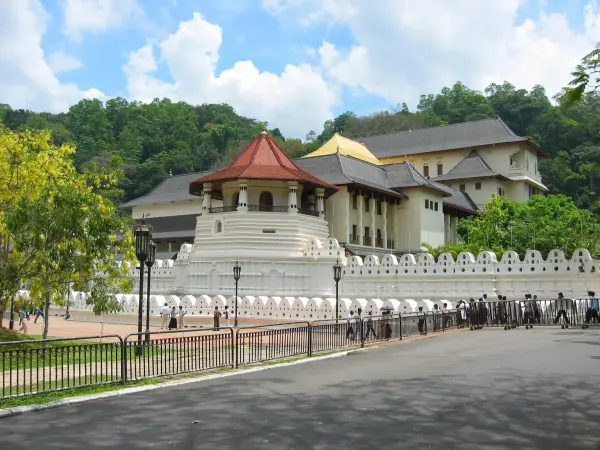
440 169
367 201
378 207
436 206
354 231
425 170
478 186
355 201
462 188
426 204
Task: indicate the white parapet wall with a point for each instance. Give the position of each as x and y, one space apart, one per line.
303 288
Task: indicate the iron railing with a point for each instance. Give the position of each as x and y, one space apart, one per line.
267 208
223 209
40 366
34 366
308 212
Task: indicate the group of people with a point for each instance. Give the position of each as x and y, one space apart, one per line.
172 318
355 324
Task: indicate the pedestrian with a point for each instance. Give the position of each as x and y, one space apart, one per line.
165 317
592 308
370 328
358 321
350 329
216 317
387 333
38 313
23 322
173 321
536 310
562 305
421 322
182 313
226 316
67 314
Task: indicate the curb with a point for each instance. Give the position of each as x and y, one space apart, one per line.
18 410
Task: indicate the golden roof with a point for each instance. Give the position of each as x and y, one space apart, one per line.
347 147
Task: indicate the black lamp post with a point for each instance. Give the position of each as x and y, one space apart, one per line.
149 263
237 271
337 276
142 242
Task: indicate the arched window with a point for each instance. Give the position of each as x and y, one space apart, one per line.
236 199
218 227
265 201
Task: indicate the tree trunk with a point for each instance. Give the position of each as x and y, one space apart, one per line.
46 311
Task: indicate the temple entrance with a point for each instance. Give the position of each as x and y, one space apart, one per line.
265 201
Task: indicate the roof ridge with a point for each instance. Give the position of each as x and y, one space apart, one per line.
342 167
413 130
510 131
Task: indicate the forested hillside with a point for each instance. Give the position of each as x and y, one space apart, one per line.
162 137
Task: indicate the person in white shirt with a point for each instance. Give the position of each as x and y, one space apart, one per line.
350 330
182 313
165 316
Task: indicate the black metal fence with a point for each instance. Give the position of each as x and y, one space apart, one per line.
34 367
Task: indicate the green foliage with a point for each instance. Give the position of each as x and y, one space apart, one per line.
543 223
585 76
163 137
102 298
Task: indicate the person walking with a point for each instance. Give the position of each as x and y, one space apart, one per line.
165 316
38 313
227 316
182 313
421 322
592 308
216 317
173 321
370 328
562 305
350 330
23 322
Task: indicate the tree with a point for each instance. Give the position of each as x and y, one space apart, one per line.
60 224
585 76
542 223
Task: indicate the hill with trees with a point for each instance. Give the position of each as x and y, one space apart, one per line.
163 137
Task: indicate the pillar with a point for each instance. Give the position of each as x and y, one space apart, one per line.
396 230
293 197
206 198
242 205
373 226
384 215
361 207
320 202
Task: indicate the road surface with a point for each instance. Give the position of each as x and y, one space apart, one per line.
489 389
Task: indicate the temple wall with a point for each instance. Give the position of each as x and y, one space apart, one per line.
303 288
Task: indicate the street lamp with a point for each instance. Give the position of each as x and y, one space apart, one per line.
337 276
149 263
142 242
237 271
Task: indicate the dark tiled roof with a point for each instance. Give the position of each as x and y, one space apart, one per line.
447 137
471 166
173 226
262 159
340 169
173 189
456 198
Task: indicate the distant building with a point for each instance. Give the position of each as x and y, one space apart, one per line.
394 192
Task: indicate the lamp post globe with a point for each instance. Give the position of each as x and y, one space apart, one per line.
237 272
149 263
337 276
142 242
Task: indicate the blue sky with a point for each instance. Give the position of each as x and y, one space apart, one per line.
393 68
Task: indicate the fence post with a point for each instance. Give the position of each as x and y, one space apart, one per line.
310 339
123 359
236 347
362 335
233 351
400 326
426 328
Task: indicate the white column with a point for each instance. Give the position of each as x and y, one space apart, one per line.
320 202
396 212
293 197
242 205
384 215
206 198
361 231
373 226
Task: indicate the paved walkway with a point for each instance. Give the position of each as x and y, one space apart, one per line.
485 390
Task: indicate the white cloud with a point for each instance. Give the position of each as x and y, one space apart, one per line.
61 62
297 100
404 48
26 79
96 16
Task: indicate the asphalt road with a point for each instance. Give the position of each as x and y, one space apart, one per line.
489 389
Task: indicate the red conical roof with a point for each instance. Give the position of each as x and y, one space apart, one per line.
262 159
